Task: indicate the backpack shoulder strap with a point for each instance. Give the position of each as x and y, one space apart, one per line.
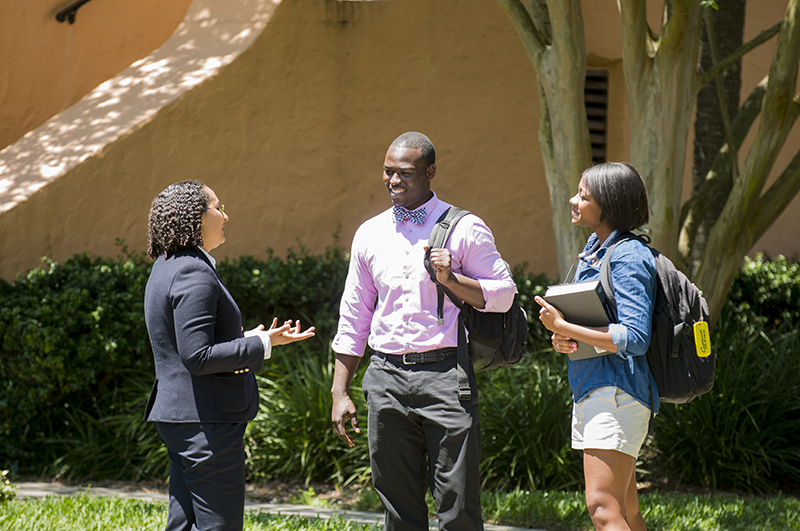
438 238
605 268
444 227
608 287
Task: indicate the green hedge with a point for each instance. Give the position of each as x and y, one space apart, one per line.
301 286
76 371
765 297
69 334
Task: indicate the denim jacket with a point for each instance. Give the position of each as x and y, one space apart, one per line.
633 272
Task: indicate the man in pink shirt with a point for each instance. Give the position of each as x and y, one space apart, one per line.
420 435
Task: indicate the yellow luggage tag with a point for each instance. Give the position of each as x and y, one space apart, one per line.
702 340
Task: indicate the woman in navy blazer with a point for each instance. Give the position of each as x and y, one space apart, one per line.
205 389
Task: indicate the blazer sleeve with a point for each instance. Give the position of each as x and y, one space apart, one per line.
208 326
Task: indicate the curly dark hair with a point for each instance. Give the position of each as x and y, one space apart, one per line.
176 218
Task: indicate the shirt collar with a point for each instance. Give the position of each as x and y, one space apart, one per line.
430 205
598 249
210 258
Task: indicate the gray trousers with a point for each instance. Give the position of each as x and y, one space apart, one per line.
420 436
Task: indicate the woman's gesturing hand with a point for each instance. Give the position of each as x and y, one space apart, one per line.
286 333
281 335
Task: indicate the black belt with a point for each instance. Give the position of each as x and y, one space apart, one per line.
412 358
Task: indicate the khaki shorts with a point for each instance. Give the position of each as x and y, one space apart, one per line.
610 419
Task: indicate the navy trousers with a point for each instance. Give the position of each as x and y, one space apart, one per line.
421 435
206 475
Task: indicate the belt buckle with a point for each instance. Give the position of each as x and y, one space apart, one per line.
405 360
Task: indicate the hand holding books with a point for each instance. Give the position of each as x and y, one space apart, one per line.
579 303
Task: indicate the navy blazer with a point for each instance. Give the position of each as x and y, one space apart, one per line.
204 366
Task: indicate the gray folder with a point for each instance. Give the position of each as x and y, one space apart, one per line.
582 303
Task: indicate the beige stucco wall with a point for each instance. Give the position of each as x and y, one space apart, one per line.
46 66
292 134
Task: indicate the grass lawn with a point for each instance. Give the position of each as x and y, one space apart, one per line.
555 511
90 513
559 511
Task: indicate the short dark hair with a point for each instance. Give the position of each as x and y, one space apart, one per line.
415 140
619 191
176 218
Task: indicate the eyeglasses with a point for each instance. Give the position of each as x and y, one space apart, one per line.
220 208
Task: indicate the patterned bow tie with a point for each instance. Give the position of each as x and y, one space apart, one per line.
402 214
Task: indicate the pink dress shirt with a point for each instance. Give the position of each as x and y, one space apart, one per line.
386 265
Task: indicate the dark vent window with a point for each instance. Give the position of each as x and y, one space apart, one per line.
596 97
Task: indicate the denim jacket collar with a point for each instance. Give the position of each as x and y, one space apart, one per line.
598 250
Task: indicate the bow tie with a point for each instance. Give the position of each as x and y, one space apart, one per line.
402 214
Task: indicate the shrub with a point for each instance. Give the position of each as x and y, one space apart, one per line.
302 286
529 286
66 331
292 435
108 437
7 489
526 411
765 295
76 370
76 366
525 425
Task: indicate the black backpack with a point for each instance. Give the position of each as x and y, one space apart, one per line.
495 339
680 373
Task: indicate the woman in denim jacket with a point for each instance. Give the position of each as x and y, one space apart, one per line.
611 393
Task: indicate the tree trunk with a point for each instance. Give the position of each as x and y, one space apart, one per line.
557 49
661 79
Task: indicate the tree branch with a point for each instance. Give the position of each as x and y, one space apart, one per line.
783 190
540 15
637 39
723 98
777 198
532 39
737 54
717 178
